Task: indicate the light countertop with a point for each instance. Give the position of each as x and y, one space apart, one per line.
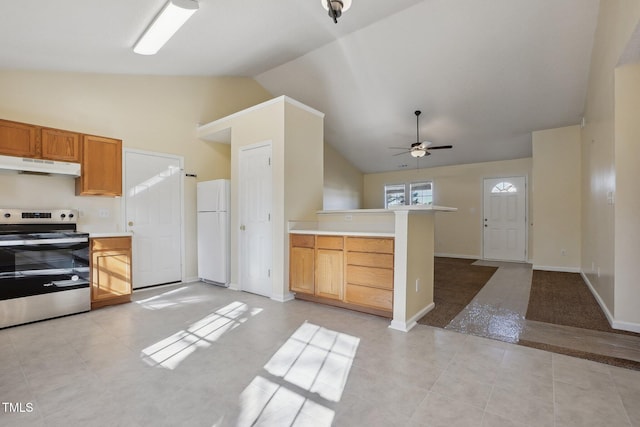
343 233
413 208
110 234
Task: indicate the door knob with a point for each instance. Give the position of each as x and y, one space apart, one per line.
242 228
130 224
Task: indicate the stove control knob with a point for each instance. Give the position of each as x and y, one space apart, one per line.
70 215
7 215
62 216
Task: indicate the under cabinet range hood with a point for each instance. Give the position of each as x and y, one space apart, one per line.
39 166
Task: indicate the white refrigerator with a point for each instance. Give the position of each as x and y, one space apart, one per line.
213 231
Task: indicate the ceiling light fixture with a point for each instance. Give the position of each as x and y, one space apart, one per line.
417 150
168 21
336 8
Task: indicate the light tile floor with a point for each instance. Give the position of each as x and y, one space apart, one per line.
198 355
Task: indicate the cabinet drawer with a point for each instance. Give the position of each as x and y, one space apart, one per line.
110 243
329 242
370 276
370 297
361 244
302 240
366 259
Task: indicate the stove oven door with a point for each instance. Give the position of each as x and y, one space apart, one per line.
43 276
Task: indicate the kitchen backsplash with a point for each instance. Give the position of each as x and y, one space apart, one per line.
97 214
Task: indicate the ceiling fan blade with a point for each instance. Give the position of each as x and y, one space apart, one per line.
397 148
404 152
439 147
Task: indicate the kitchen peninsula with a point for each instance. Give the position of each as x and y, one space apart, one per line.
378 261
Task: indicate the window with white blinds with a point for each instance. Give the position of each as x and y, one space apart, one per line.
412 193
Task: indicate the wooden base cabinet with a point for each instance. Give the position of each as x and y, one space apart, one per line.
345 271
302 264
370 272
110 271
329 267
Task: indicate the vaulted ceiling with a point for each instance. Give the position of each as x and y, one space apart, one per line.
484 73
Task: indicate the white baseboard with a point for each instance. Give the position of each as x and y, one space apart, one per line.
615 324
601 303
457 256
561 269
234 287
626 326
190 279
287 297
399 325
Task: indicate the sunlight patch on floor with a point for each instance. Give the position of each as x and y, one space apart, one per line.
307 374
171 351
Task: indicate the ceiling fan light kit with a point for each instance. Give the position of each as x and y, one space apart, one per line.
418 152
420 149
336 8
166 23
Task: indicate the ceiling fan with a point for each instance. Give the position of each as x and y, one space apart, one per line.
419 148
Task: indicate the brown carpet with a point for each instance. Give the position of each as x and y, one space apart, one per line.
564 299
455 283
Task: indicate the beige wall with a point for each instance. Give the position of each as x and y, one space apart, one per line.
555 204
627 198
616 22
419 263
303 178
147 112
296 136
260 125
343 182
304 165
461 186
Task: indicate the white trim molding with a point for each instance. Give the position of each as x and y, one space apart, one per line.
413 321
626 326
601 303
220 128
615 324
284 298
560 269
439 254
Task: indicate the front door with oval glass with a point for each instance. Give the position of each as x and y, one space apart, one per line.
505 219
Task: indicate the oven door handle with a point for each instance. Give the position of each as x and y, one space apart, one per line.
43 241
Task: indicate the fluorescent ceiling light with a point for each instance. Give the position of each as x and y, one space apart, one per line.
172 16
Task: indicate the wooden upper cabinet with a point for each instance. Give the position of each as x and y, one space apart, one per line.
60 145
101 167
18 139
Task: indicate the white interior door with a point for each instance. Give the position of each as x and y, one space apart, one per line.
255 183
505 219
153 186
